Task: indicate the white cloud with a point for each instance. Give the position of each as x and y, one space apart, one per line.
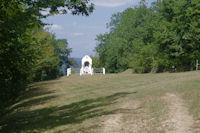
76 34
114 3
105 4
74 23
45 11
54 27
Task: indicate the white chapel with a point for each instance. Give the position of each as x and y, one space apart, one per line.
86 66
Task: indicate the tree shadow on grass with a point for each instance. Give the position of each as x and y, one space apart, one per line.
27 103
48 118
29 97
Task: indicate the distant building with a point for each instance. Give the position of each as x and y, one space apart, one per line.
86 66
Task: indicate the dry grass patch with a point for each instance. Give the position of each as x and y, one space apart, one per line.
87 103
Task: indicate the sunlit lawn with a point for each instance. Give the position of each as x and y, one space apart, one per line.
79 104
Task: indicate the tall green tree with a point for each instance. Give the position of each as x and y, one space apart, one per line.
178 38
152 39
130 32
20 47
53 53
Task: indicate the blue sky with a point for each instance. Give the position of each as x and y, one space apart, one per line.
81 31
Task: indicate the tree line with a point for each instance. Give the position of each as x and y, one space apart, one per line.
28 52
162 37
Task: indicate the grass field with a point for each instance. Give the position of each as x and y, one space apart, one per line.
140 103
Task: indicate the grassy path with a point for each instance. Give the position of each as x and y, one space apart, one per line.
124 119
179 119
153 103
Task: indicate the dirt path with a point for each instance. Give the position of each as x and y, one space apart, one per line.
179 119
128 118
123 120
112 123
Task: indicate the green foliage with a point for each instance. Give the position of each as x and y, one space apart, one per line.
152 39
27 52
96 62
53 53
180 28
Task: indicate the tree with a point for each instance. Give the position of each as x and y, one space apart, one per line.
20 47
180 30
95 62
130 32
152 39
52 55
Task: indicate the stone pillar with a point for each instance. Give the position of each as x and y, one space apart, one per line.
69 72
104 71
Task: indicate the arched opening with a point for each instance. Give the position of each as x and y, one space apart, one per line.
86 64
